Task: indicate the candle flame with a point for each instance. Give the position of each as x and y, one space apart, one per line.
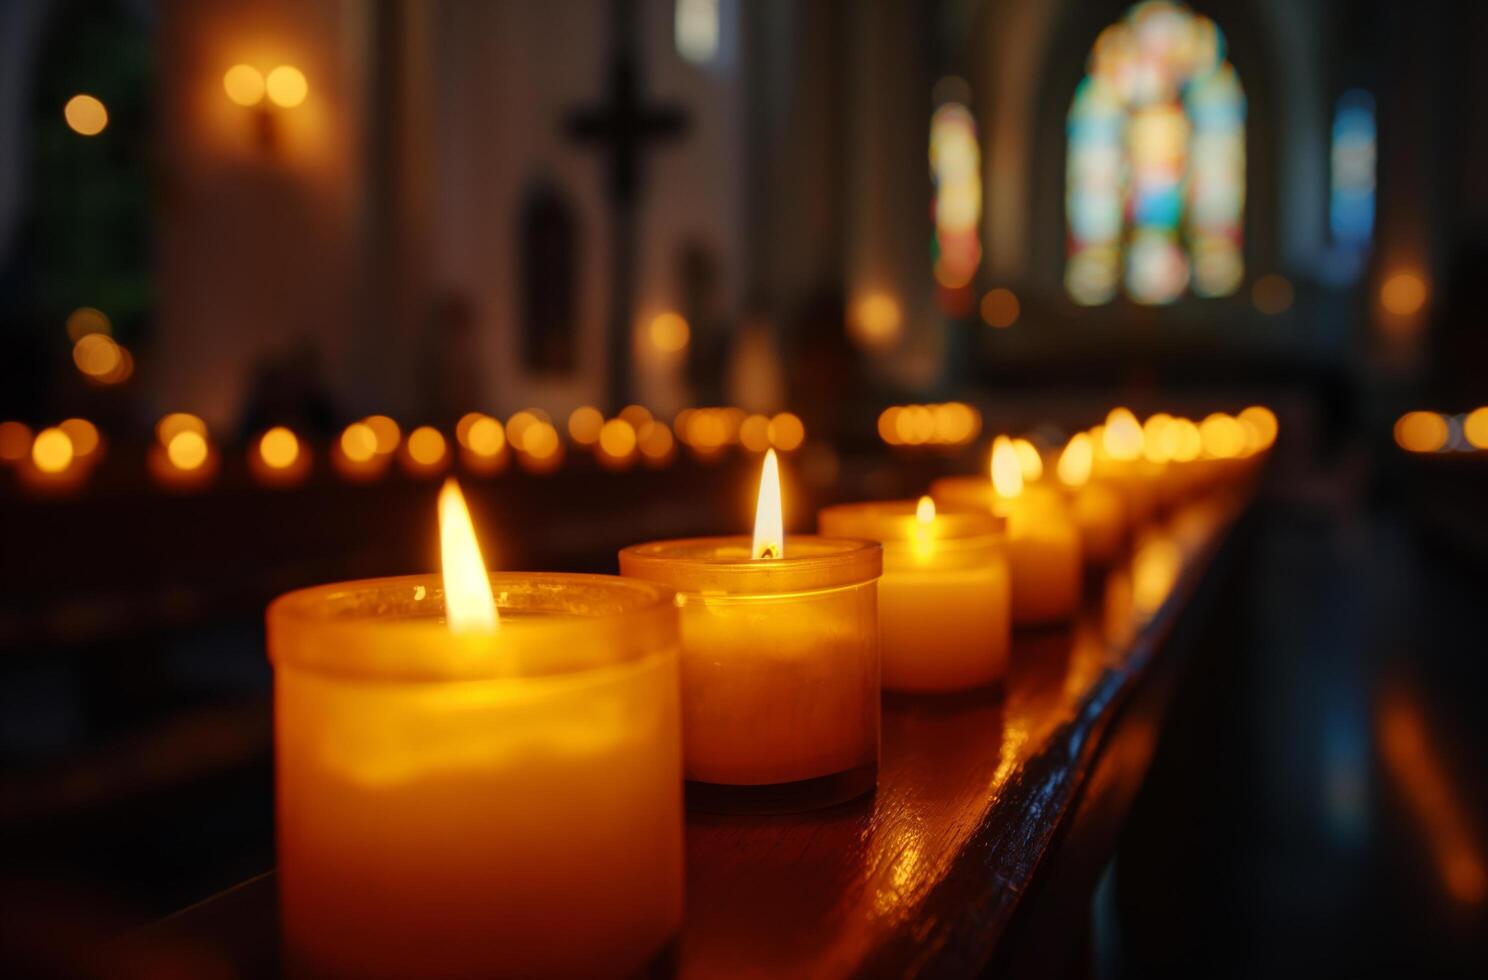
769 530
1007 472
1122 438
1076 460
925 511
469 606
1029 460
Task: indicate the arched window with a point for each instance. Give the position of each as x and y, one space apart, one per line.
1155 180
956 172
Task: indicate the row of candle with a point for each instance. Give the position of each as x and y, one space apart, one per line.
483 773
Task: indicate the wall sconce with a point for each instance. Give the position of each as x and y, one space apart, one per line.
284 87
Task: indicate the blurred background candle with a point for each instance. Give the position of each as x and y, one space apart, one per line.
944 602
467 792
1098 508
1119 461
780 661
1042 542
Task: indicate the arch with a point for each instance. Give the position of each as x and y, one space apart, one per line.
1155 162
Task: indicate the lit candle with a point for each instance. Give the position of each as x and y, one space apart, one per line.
1098 508
1119 461
464 791
1043 544
780 661
944 599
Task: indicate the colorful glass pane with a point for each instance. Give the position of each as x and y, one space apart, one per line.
1155 177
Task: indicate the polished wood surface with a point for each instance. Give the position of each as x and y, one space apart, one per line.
923 877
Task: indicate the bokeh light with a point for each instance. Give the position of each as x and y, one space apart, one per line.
1223 436
97 356
1121 438
656 443
1421 432
584 424
877 322
636 415
286 86
387 432
51 451
1475 428
669 332
176 422
426 448
1403 294
485 437
244 85
83 434
358 443
279 448
15 442
187 450
85 320
1272 294
85 115
1260 421
1000 308
617 440
1029 460
786 432
754 433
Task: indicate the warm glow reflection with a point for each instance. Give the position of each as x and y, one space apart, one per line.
286 86
1271 294
244 85
1007 471
279 448
1076 461
947 424
1421 432
469 606
15 442
359 442
925 511
1156 563
1403 294
669 333
584 424
769 525
186 450
1122 437
52 451
84 436
1029 460
85 115
1417 768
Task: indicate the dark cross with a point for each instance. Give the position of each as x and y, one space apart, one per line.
623 126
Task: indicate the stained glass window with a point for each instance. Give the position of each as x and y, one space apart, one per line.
1351 207
1155 178
956 172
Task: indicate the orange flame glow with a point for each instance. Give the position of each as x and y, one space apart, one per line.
1029 460
468 604
1076 460
925 511
1007 471
1122 438
769 529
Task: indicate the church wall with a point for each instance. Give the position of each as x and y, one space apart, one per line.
258 209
